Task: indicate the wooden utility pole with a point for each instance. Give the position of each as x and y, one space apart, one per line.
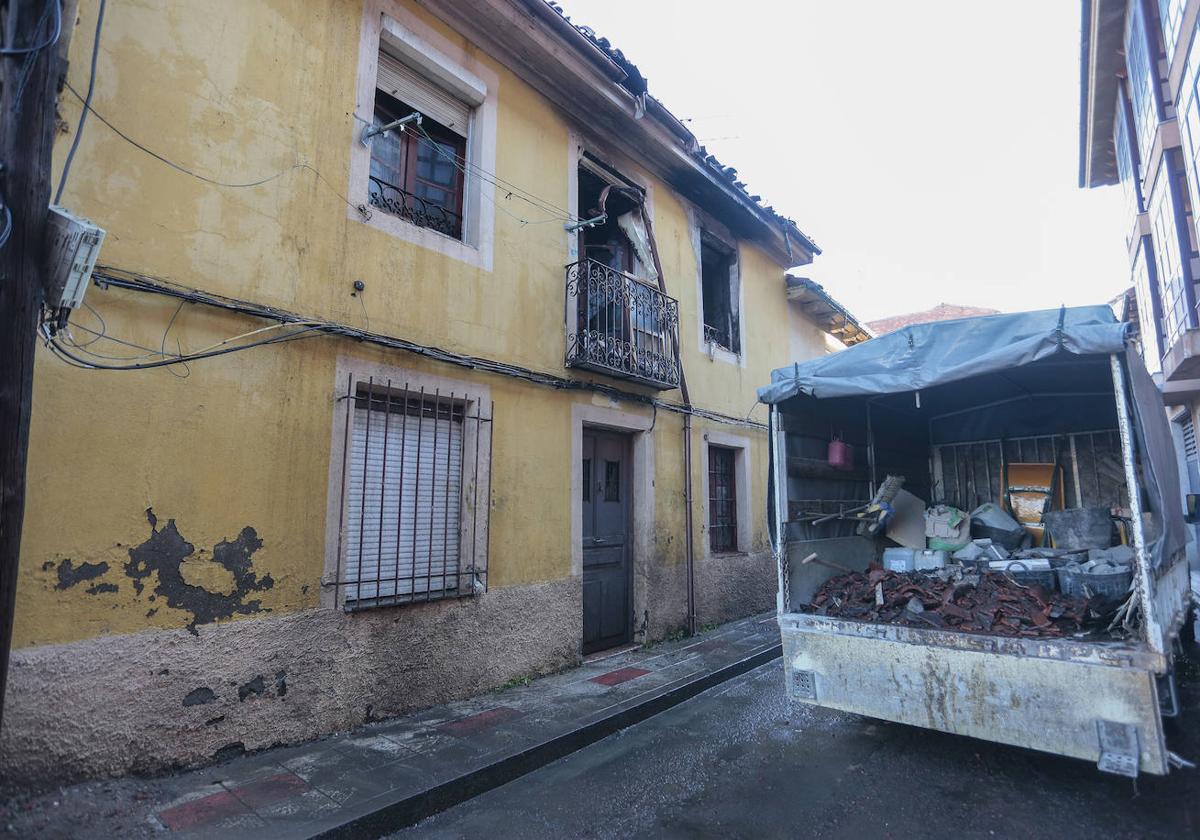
28 89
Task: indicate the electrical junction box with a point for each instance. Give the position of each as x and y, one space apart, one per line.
72 246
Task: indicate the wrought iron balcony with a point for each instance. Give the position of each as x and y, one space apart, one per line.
621 326
392 199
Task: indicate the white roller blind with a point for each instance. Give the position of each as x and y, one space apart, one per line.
410 87
403 499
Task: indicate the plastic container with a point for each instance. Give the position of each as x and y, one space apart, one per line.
1089 527
840 455
899 559
928 559
1110 585
990 522
1022 573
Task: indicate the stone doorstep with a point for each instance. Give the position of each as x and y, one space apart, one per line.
386 776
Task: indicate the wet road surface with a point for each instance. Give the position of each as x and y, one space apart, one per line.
742 761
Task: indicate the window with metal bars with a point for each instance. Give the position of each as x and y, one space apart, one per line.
722 500
415 490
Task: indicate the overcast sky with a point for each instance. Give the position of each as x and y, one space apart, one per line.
929 148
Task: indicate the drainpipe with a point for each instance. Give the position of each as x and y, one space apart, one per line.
689 541
689 537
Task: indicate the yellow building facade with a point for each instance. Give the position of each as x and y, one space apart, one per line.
197 535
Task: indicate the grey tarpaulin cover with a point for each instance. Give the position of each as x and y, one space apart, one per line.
924 355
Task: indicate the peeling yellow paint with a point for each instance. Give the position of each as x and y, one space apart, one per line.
239 91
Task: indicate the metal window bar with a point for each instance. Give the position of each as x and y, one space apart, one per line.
397 201
722 501
620 325
415 496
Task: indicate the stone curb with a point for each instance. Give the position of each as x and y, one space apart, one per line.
386 814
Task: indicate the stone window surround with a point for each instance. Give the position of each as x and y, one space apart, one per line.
390 22
476 395
578 151
742 478
701 224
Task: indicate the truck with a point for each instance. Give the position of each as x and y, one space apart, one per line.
951 407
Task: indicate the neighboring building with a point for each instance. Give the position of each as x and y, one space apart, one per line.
1140 127
941 312
456 463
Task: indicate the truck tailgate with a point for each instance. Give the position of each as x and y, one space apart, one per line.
1054 697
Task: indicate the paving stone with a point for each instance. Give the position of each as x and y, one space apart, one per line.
309 805
374 750
620 675
479 722
264 792
209 807
342 777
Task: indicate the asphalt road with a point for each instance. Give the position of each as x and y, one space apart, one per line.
742 761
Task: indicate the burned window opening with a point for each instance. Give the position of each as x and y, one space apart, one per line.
619 322
719 295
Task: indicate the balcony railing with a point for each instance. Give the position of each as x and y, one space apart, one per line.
620 325
392 199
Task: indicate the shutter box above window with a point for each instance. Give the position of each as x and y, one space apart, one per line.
407 84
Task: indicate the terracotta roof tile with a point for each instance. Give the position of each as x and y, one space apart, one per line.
941 312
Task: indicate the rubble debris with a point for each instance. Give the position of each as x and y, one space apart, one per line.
947 527
983 549
949 599
1106 574
990 521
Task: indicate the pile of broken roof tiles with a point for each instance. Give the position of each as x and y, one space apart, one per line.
987 602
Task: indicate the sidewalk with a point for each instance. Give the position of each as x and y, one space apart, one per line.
386 775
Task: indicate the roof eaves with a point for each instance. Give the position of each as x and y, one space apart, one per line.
634 82
850 331
1101 40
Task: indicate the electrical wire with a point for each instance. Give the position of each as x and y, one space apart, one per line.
85 347
60 351
51 5
512 190
162 351
461 165
107 276
213 181
103 326
87 105
162 345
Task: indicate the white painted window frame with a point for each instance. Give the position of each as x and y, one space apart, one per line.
451 66
351 372
741 470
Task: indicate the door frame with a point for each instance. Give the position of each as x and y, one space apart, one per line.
636 426
628 480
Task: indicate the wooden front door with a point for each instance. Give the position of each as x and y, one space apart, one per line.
606 543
